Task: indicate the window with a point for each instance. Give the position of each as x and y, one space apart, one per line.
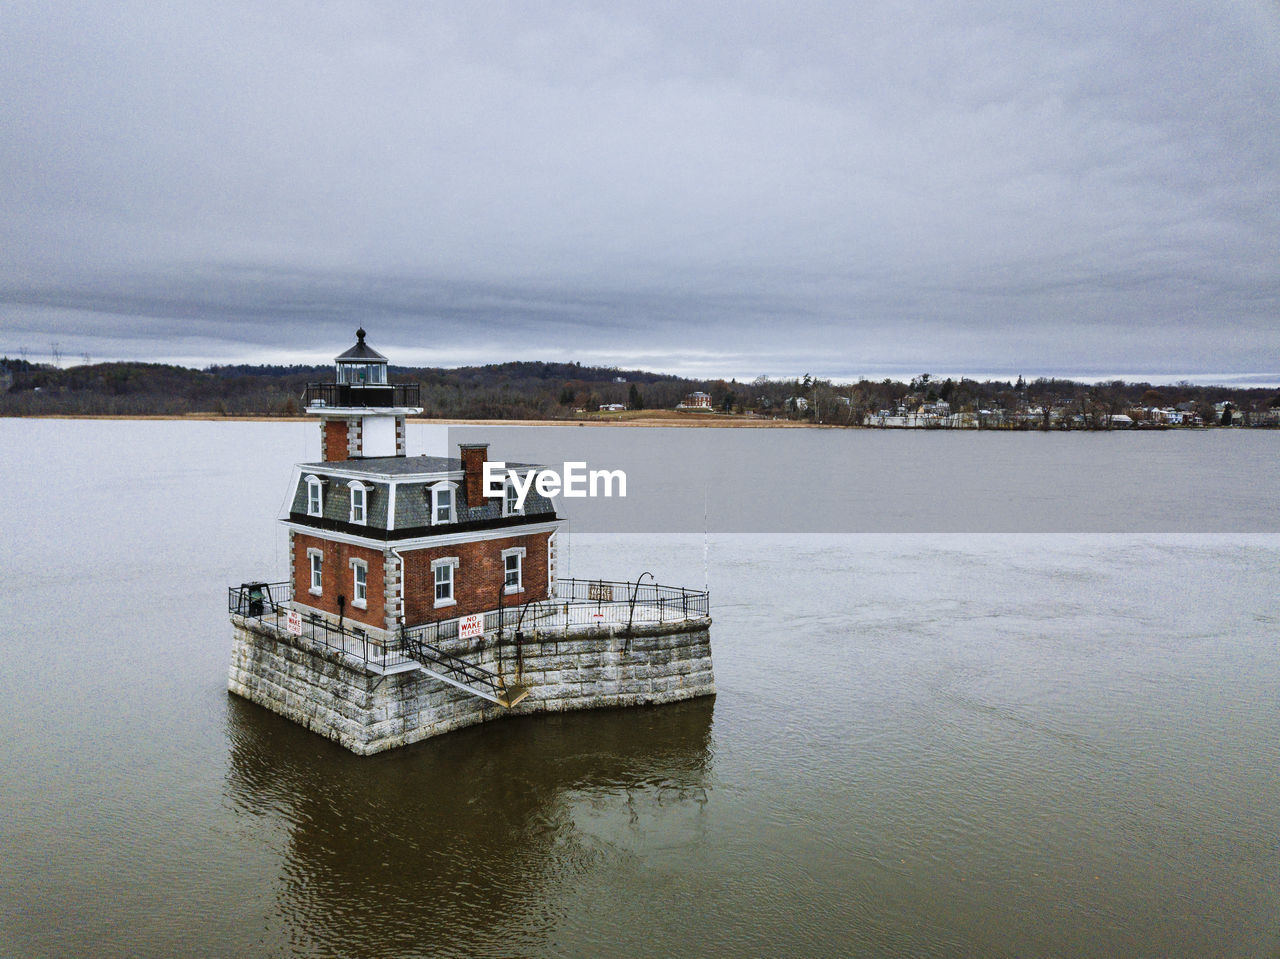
359 502
315 496
442 570
442 503
512 570
316 558
509 501
360 583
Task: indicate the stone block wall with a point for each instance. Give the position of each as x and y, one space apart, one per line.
367 713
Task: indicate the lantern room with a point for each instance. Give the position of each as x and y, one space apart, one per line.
361 365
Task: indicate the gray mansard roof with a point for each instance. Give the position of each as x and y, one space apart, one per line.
398 465
413 477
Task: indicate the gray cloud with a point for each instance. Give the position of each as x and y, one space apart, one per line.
710 188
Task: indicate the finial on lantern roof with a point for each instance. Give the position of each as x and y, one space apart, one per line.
361 352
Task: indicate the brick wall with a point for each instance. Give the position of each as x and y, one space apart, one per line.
338 579
473 459
477 580
334 441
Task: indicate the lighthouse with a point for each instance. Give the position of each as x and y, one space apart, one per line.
380 539
361 413
420 601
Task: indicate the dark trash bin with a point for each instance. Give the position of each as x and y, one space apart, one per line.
253 598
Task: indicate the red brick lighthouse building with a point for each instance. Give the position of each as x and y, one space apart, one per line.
386 540
418 603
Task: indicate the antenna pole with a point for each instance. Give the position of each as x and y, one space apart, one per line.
706 563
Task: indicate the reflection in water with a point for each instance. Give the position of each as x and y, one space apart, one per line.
468 843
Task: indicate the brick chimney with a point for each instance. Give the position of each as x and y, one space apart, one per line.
474 456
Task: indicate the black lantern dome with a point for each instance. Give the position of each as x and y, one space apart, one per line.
361 365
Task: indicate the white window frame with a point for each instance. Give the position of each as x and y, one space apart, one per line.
518 553
315 495
359 584
509 496
359 491
444 487
451 564
315 560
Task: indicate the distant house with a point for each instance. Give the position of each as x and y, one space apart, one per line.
695 401
612 407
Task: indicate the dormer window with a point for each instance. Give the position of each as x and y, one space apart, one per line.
359 503
509 501
315 496
443 509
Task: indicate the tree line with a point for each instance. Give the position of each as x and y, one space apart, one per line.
541 390
517 390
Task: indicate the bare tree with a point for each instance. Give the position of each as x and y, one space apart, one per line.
1047 400
55 351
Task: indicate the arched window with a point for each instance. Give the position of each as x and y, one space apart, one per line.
315 495
509 500
444 497
359 502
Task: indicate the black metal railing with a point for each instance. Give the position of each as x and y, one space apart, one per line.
256 599
349 395
576 603
461 671
613 601
271 604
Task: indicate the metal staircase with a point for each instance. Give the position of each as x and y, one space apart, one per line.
456 671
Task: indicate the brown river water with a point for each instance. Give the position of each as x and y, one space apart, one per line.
1005 700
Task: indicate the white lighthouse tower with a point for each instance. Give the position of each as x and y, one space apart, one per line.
362 414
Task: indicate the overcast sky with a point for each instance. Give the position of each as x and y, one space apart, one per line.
728 189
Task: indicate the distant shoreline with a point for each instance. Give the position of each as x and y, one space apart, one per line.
680 420
639 419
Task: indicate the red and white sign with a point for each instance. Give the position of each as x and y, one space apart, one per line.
469 627
294 622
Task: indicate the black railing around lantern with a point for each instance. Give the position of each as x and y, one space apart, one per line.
349 395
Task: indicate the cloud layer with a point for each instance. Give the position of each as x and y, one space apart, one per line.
711 188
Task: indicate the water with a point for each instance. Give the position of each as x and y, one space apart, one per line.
942 743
